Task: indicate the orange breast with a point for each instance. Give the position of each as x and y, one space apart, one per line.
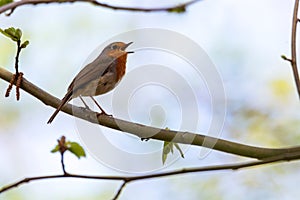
121 67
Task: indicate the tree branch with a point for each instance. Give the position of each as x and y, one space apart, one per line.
293 47
12 6
293 60
127 179
143 131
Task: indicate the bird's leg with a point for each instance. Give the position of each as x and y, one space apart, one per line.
102 111
86 106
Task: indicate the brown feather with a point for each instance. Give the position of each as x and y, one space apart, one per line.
66 98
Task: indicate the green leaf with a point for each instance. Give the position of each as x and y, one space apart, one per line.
179 9
18 34
76 149
3 2
12 33
179 149
24 44
164 158
4 32
169 148
166 150
56 149
283 57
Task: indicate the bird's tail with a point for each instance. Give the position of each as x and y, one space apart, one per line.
63 102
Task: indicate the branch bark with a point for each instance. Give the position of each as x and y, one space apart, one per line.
12 6
143 131
293 47
127 179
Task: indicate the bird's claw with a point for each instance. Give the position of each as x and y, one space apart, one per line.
145 139
105 114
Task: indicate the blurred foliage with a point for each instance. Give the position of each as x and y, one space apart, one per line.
13 195
265 127
281 88
3 2
271 121
258 127
93 195
9 115
204 187
7 53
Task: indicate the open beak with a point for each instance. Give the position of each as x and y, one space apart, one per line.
127 46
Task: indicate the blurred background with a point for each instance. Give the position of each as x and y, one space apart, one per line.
244 39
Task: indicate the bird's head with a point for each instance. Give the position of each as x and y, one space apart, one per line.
117 49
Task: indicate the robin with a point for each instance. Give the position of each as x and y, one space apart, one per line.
98 77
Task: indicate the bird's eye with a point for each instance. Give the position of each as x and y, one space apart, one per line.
114 47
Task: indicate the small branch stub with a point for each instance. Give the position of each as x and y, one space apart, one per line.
285 58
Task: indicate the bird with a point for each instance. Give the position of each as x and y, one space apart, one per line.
98 77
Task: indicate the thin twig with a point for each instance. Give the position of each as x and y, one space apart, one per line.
62 163
120 190
144 131
62 149
15 4
283 157
293 47
17 57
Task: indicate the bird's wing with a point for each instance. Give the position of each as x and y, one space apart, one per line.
90 72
